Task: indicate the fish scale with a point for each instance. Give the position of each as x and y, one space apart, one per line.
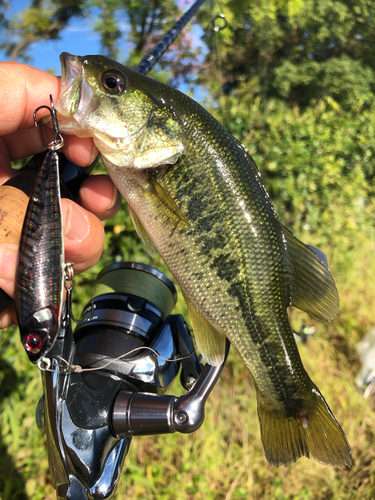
220 281
196 196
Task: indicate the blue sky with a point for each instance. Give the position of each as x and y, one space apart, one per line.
78 39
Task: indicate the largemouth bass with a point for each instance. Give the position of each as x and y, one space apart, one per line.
196 195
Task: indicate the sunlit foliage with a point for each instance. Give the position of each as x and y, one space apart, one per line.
294 81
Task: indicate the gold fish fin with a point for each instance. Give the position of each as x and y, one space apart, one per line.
211 343
312 286
312 430
257 174
171 210
141 231
161 142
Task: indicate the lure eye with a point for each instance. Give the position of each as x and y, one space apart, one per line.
33 342
113 82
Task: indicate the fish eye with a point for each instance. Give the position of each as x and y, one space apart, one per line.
113 82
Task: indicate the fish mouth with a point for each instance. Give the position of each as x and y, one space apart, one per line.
76 97
70 69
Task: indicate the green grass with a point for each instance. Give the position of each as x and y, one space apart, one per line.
223 460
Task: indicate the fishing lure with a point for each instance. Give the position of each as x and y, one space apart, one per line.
40 269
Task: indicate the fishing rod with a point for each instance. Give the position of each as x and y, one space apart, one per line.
150 59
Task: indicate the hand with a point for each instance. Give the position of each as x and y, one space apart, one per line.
22 90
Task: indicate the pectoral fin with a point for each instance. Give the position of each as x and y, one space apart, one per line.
167 205
141 231
312 287
211 343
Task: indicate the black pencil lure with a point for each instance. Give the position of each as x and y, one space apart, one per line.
40 270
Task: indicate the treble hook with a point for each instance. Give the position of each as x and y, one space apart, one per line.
69 276
58 140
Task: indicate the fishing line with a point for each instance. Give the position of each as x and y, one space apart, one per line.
218 24
263 60
141 284
44 364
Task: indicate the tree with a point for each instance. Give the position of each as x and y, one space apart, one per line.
148 21
285 63
300 51
39 21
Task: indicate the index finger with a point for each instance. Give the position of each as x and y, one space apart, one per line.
22 90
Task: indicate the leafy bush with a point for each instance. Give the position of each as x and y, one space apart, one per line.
317 164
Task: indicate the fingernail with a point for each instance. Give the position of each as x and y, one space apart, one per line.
8 261
75 221
115 197
94 156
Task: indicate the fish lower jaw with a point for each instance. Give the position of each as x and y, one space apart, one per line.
118 156
70 126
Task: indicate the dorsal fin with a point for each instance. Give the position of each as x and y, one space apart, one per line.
312 286
257 174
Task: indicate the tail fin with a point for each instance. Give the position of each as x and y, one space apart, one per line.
311 430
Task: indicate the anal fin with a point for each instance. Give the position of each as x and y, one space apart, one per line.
211 343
